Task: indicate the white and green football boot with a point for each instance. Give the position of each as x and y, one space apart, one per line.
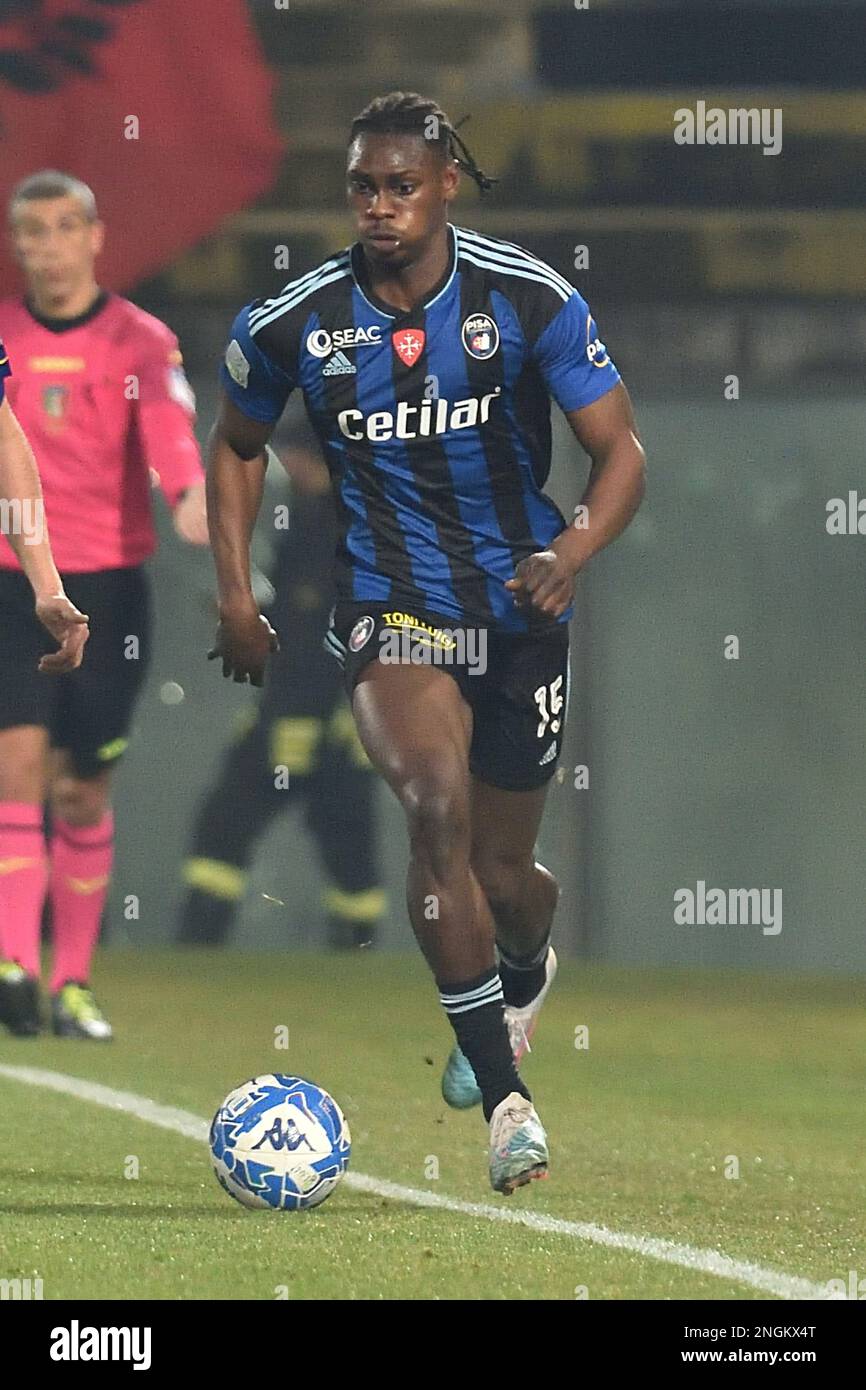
459 1087
76 1014
518 1144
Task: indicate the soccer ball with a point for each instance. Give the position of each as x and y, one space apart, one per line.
280 1142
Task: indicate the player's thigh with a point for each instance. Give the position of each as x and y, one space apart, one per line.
416 728
95 721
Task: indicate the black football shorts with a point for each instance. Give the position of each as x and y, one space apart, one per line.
88 711
515 683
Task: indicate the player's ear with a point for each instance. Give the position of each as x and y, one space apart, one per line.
97 237
451 180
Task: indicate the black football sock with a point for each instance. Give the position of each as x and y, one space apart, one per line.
523 977
476 1013
206 920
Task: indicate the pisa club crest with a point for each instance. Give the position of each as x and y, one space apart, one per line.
409 344
361 634
480 336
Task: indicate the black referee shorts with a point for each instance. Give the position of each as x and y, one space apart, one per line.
515 683
88 711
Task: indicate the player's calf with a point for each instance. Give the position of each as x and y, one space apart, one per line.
522 895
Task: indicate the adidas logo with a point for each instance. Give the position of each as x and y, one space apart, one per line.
548 756
339 365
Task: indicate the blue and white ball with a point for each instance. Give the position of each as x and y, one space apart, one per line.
280 1142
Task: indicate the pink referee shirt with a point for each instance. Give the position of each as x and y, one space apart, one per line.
103 402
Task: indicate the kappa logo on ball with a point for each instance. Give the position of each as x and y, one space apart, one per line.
361 634
409 344
480 336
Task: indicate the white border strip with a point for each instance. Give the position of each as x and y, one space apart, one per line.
755 1276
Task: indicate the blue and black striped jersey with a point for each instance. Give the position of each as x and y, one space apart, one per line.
5 370
435 423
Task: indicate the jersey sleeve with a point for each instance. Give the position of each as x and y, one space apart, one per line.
166 414
573 360
5 370
257 385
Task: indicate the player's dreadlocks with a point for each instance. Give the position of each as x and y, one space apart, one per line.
407 113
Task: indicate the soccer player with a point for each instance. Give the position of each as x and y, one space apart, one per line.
428 355
100 393
23 522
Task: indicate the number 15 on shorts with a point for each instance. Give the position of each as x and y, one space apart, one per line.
549 701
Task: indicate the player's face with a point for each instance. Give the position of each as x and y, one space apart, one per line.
55 244
399 188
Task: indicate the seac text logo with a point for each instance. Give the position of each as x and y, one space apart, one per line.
321 342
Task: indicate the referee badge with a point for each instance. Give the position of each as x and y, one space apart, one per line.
361 634
54 401
480 336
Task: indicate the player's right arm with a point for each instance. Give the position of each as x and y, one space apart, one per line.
255 392
19 483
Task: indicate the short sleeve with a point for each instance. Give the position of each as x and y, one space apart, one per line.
5 370
572 358
253 382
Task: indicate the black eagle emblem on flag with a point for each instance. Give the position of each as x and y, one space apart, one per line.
45 42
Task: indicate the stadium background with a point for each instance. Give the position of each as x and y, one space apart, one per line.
702 263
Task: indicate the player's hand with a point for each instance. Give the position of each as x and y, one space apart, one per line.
244 641
190 516
68 627
543 583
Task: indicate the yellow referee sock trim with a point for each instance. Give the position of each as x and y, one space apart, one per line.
216 877
365 906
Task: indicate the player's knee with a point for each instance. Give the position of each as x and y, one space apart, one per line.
435 799
78 800
504 878
23 767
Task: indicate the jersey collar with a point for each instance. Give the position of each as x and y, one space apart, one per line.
388 311
61 325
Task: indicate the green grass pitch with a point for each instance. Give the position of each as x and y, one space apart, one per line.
684 1073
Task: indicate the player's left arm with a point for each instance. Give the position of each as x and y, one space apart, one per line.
166 414
582 379
617 478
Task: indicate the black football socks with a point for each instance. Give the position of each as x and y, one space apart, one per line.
477 1014
523 977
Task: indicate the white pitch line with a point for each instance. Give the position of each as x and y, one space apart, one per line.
755 1276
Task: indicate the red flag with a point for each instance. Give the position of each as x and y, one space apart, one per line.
162 106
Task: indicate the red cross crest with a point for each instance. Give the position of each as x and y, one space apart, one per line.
408 344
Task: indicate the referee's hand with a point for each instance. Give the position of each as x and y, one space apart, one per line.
244 641
543 583
68 627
